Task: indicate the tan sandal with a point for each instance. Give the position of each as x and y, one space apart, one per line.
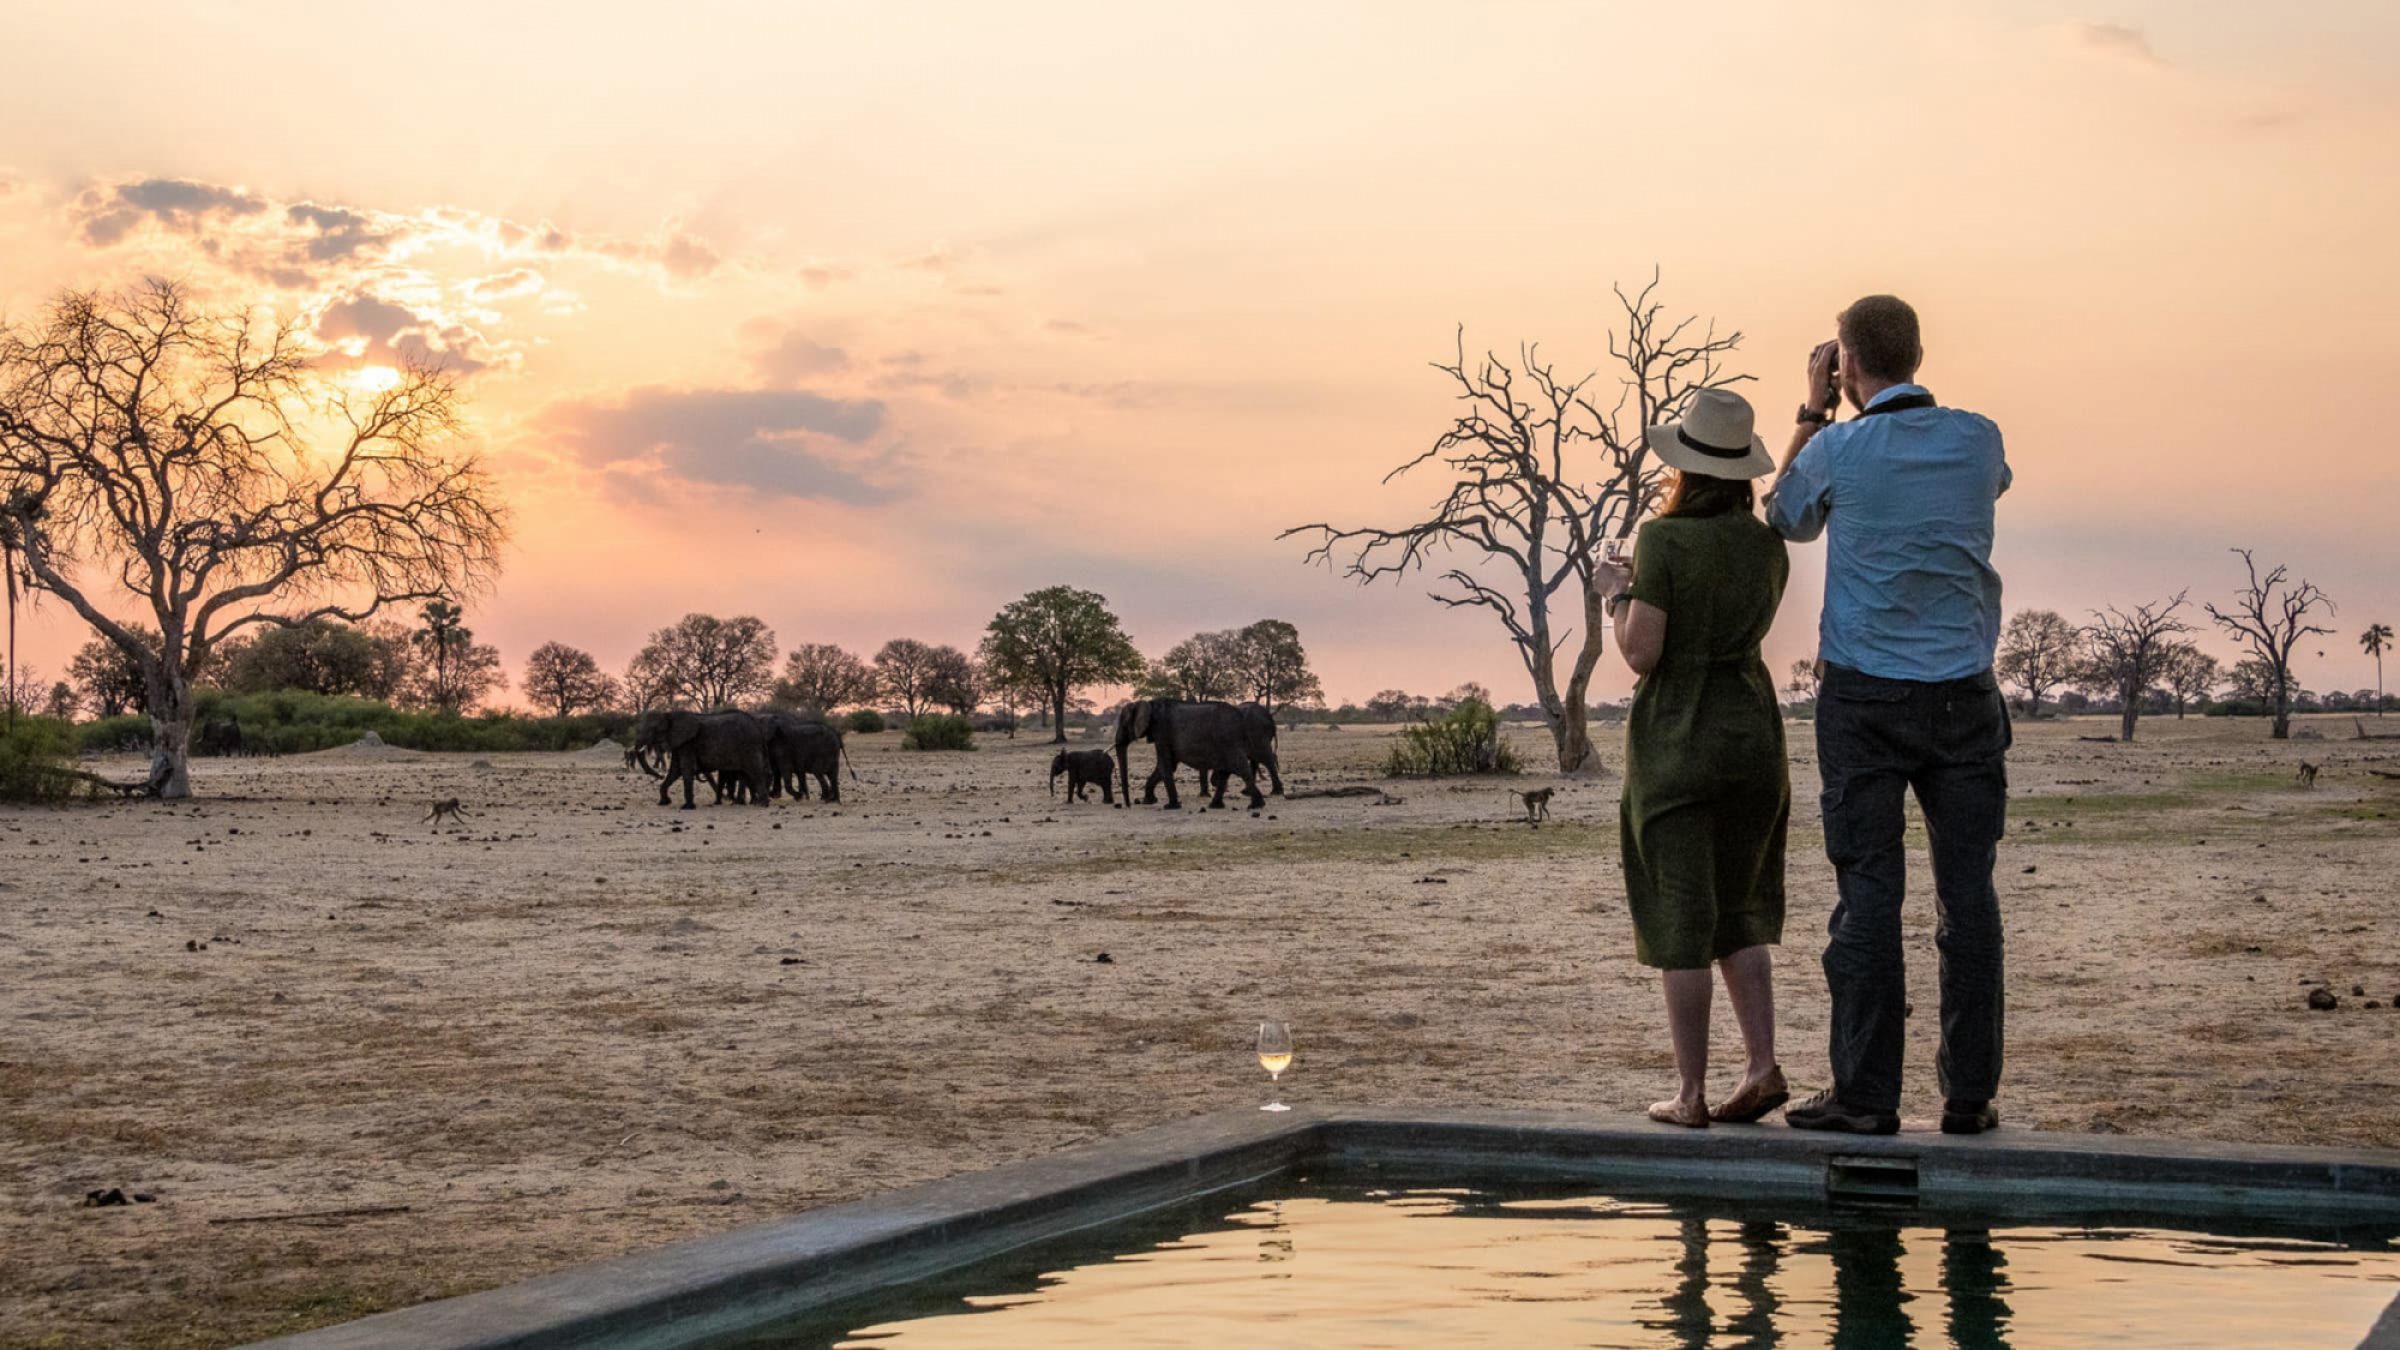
1674 1112
1753 1102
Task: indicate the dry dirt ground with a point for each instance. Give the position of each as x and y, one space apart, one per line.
581 1025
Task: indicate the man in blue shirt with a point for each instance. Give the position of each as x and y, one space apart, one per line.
1907 702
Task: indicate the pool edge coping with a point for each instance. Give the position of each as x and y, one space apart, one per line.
762 1273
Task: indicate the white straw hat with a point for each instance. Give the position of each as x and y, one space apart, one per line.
1716 438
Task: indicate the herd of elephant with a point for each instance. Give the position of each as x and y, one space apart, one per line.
750 757
757 757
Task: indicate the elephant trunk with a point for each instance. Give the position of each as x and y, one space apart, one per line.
1054 782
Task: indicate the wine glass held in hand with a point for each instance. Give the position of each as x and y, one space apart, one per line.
1274 1055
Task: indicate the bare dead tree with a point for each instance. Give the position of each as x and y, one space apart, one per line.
197 464
8 569
2270 616
1541 474
2126 653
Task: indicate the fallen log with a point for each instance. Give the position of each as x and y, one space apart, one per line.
123 790
1382 797
2098 740
2366 735
304 1215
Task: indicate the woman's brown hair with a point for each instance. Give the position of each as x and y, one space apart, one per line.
1698 494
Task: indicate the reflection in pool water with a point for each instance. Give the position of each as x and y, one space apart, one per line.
1325 1265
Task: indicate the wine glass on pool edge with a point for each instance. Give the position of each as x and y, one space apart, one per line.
1274 1055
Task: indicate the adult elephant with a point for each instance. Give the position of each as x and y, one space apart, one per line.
696 744
1260 724
800 746
1214 738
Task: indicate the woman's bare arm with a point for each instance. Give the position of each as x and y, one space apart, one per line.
1641 632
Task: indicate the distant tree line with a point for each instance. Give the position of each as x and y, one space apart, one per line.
2136 660
1043 653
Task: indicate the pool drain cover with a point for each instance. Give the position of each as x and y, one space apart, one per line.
1867 1180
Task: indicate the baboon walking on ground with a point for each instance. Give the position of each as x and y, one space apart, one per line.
1537 804
448 808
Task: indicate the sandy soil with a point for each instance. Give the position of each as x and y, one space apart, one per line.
582 1025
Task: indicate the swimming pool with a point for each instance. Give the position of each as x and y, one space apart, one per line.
1637 1233
1338 1263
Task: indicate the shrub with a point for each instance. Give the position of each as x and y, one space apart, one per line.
1462 741
293 722
939 731
126 734
865 721
33 760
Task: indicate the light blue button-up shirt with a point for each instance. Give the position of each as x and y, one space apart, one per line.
1910 593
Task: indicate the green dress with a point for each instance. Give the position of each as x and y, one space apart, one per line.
1708 793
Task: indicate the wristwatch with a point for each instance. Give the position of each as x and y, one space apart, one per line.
1813 415
1618 601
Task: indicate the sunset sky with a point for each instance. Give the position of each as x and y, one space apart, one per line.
868 318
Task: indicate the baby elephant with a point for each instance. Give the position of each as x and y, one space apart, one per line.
1083 769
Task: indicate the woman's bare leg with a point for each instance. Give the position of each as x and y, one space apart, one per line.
1688 996
1750 985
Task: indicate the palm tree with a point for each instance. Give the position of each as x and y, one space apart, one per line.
2377 637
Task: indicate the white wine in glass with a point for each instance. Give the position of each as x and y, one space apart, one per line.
1274 1055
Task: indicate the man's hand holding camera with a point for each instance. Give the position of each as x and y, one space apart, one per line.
1824 399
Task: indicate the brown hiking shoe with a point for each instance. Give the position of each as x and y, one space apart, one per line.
1961 1117
1827 1112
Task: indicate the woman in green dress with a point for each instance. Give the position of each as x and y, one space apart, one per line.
1707 794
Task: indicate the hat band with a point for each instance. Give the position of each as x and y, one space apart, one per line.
1712 451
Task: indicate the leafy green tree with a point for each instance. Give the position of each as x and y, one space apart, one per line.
1274 666
2039 651
2188 674
955 682
565 680
1059 639
2251 681
707 662
318 657
908 671
824 677
111 682
1202 666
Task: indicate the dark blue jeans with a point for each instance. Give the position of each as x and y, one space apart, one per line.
1878 740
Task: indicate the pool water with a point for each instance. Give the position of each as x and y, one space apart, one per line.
1328 1265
